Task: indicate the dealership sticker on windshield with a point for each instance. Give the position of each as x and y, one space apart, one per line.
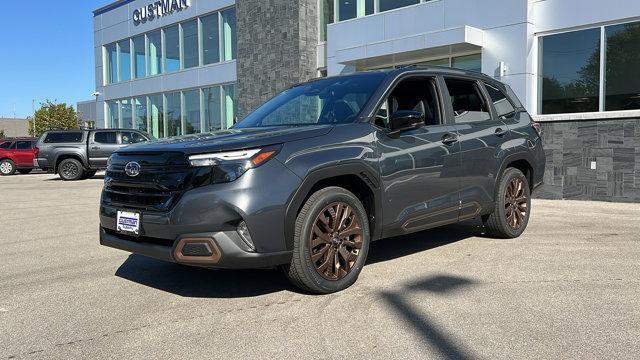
128 222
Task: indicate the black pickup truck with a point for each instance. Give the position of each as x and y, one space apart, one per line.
78 154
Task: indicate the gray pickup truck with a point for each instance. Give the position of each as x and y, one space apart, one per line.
79 154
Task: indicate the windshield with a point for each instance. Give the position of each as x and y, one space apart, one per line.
328 101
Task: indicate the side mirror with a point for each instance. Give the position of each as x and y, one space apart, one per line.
405 120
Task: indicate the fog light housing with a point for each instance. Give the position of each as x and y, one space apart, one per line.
243 231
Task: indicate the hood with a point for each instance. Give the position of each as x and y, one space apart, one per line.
231 139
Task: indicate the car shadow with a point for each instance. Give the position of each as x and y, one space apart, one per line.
210 283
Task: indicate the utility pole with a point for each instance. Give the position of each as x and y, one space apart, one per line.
33 115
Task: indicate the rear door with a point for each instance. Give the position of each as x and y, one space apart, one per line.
483 140
23 153
418 167
101 144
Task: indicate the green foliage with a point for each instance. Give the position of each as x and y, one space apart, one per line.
53 116
2 135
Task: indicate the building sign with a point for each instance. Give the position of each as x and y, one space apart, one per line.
158 9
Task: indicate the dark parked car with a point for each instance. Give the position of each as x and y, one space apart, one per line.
17 154
77 154
310 178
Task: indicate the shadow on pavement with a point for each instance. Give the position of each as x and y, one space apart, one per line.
199 282
435 338
397 247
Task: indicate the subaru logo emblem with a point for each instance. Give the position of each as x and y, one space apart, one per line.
132 169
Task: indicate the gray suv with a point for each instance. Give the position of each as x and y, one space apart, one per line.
308 180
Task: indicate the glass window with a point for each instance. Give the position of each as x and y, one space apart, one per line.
154 53
5 145
394 4
113 116
131 137
468 62
125 60
112 63
174 114
23 145
156 116
467 101
325 101
622 67
212 109
230 104
500 101
63 137
229 34
127 114
210 39
172 49
326 17
438 62
139 57
105 137
190 44
140 114
570 72
192 111
349 9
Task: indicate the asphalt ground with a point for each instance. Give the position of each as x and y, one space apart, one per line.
568 288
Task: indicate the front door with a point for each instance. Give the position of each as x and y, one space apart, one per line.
483 140
101 145
23 153
417 167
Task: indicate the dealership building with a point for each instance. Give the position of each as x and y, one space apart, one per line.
174 67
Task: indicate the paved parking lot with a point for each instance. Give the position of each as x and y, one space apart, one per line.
569 288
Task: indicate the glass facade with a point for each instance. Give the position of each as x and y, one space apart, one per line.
350 9
197 42
176 113
386 5
590 70
326 17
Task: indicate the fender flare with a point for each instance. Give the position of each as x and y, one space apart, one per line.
74 153
523 155
303 192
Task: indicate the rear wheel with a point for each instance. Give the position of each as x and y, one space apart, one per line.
70 169
331 242
25 171
513 206
7 167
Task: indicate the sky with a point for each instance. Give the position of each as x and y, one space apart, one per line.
46 52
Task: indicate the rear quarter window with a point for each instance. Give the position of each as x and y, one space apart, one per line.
63 137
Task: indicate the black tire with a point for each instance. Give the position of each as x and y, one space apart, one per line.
70 170
512 206
303 271
25 171
7 167
89 174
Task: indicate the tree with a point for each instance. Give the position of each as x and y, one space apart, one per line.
2 135
53 116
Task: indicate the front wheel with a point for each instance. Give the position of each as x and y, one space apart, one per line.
513 206
7 167
70 170
331 242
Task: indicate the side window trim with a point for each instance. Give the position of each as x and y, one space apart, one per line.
516 109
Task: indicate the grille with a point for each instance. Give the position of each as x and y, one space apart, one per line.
163 179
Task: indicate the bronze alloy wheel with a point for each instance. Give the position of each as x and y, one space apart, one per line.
516 203
335 241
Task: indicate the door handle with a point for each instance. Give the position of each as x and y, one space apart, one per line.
501 132
95 148
449 138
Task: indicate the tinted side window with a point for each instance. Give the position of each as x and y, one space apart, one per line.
414 94
63 137
467 101
23 145
105 137
500 102
5 145
131 137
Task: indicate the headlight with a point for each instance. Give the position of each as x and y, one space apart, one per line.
228 166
